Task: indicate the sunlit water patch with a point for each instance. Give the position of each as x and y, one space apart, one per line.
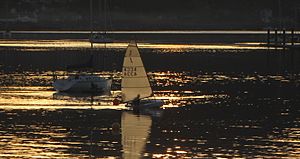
206 115
49 44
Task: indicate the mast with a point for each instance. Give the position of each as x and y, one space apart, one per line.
91 36
105 22
91 24
105 16
280 14
105 27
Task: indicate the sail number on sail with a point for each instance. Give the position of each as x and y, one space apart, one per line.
129 71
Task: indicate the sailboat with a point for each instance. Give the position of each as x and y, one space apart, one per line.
103 36
81 83
135 86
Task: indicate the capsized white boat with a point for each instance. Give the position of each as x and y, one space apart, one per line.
135 86
83 83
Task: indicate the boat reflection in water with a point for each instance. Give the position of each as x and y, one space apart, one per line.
246 124
136 129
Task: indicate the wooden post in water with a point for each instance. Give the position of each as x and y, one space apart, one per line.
274 43
283 38
292 37
284 64
292 53
276 38
268 50
268 37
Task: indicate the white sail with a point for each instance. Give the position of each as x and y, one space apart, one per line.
135 132
135 81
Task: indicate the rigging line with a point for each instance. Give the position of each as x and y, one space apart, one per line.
91 36
105 16
91 24
109 15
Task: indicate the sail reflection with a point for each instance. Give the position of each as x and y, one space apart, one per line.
135 133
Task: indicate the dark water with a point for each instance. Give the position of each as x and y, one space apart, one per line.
228 111
45 55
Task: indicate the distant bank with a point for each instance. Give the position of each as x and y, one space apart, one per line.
153 36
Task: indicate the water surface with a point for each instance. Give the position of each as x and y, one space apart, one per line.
221 100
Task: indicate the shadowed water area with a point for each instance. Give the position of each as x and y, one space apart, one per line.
221 100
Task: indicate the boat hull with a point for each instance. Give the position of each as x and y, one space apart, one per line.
100 86
147 104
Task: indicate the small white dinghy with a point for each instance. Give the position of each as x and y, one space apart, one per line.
135 83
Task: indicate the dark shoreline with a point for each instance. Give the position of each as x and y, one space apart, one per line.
185 37
205 60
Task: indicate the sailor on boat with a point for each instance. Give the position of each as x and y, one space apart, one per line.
135 86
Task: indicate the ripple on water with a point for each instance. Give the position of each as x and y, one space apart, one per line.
209 119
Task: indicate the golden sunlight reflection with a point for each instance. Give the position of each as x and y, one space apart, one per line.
25 96
176 89
44 98
141 135
68 43
16 146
